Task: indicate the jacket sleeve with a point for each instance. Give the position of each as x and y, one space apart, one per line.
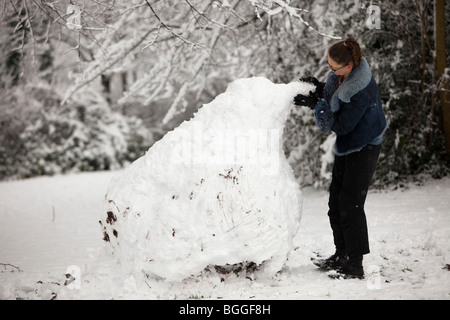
343 120
324 116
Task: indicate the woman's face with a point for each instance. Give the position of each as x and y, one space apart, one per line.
339 69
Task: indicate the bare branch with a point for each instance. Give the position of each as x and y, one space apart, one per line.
195 45
206 17
5 265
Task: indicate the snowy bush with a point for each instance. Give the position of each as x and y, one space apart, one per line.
39 136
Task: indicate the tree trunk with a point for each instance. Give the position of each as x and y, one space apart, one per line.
106 85
441 64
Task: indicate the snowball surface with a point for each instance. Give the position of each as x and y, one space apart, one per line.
216 190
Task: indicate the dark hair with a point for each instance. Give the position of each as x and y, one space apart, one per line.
346 52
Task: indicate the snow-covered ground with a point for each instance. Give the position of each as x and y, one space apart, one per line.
201 198
49 227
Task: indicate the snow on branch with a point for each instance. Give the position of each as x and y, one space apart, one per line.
104 69
268 7
176 35
193 32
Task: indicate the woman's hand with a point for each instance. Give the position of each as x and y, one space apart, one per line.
319 85
309 101
310 79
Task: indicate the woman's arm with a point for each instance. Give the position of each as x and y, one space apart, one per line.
345 119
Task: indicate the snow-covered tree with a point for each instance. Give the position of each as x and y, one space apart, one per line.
163 59
179 51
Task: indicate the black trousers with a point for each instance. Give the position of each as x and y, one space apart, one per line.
351 178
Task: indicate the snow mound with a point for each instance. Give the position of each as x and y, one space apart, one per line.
217 190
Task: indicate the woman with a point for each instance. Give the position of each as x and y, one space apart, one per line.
349 105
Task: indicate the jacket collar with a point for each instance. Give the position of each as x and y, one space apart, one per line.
355 82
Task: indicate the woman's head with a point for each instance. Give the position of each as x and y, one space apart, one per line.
344 56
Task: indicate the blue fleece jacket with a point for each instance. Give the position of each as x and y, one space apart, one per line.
353 111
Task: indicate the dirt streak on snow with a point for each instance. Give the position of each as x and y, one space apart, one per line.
49 225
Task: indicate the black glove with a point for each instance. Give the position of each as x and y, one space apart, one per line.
308 101
319 85
310 79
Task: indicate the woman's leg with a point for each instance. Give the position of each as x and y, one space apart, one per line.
333 203
359 169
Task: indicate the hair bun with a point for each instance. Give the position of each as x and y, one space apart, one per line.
347 51
350 43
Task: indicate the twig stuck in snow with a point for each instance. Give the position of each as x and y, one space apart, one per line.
14 268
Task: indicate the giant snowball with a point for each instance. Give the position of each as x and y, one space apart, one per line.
217 190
